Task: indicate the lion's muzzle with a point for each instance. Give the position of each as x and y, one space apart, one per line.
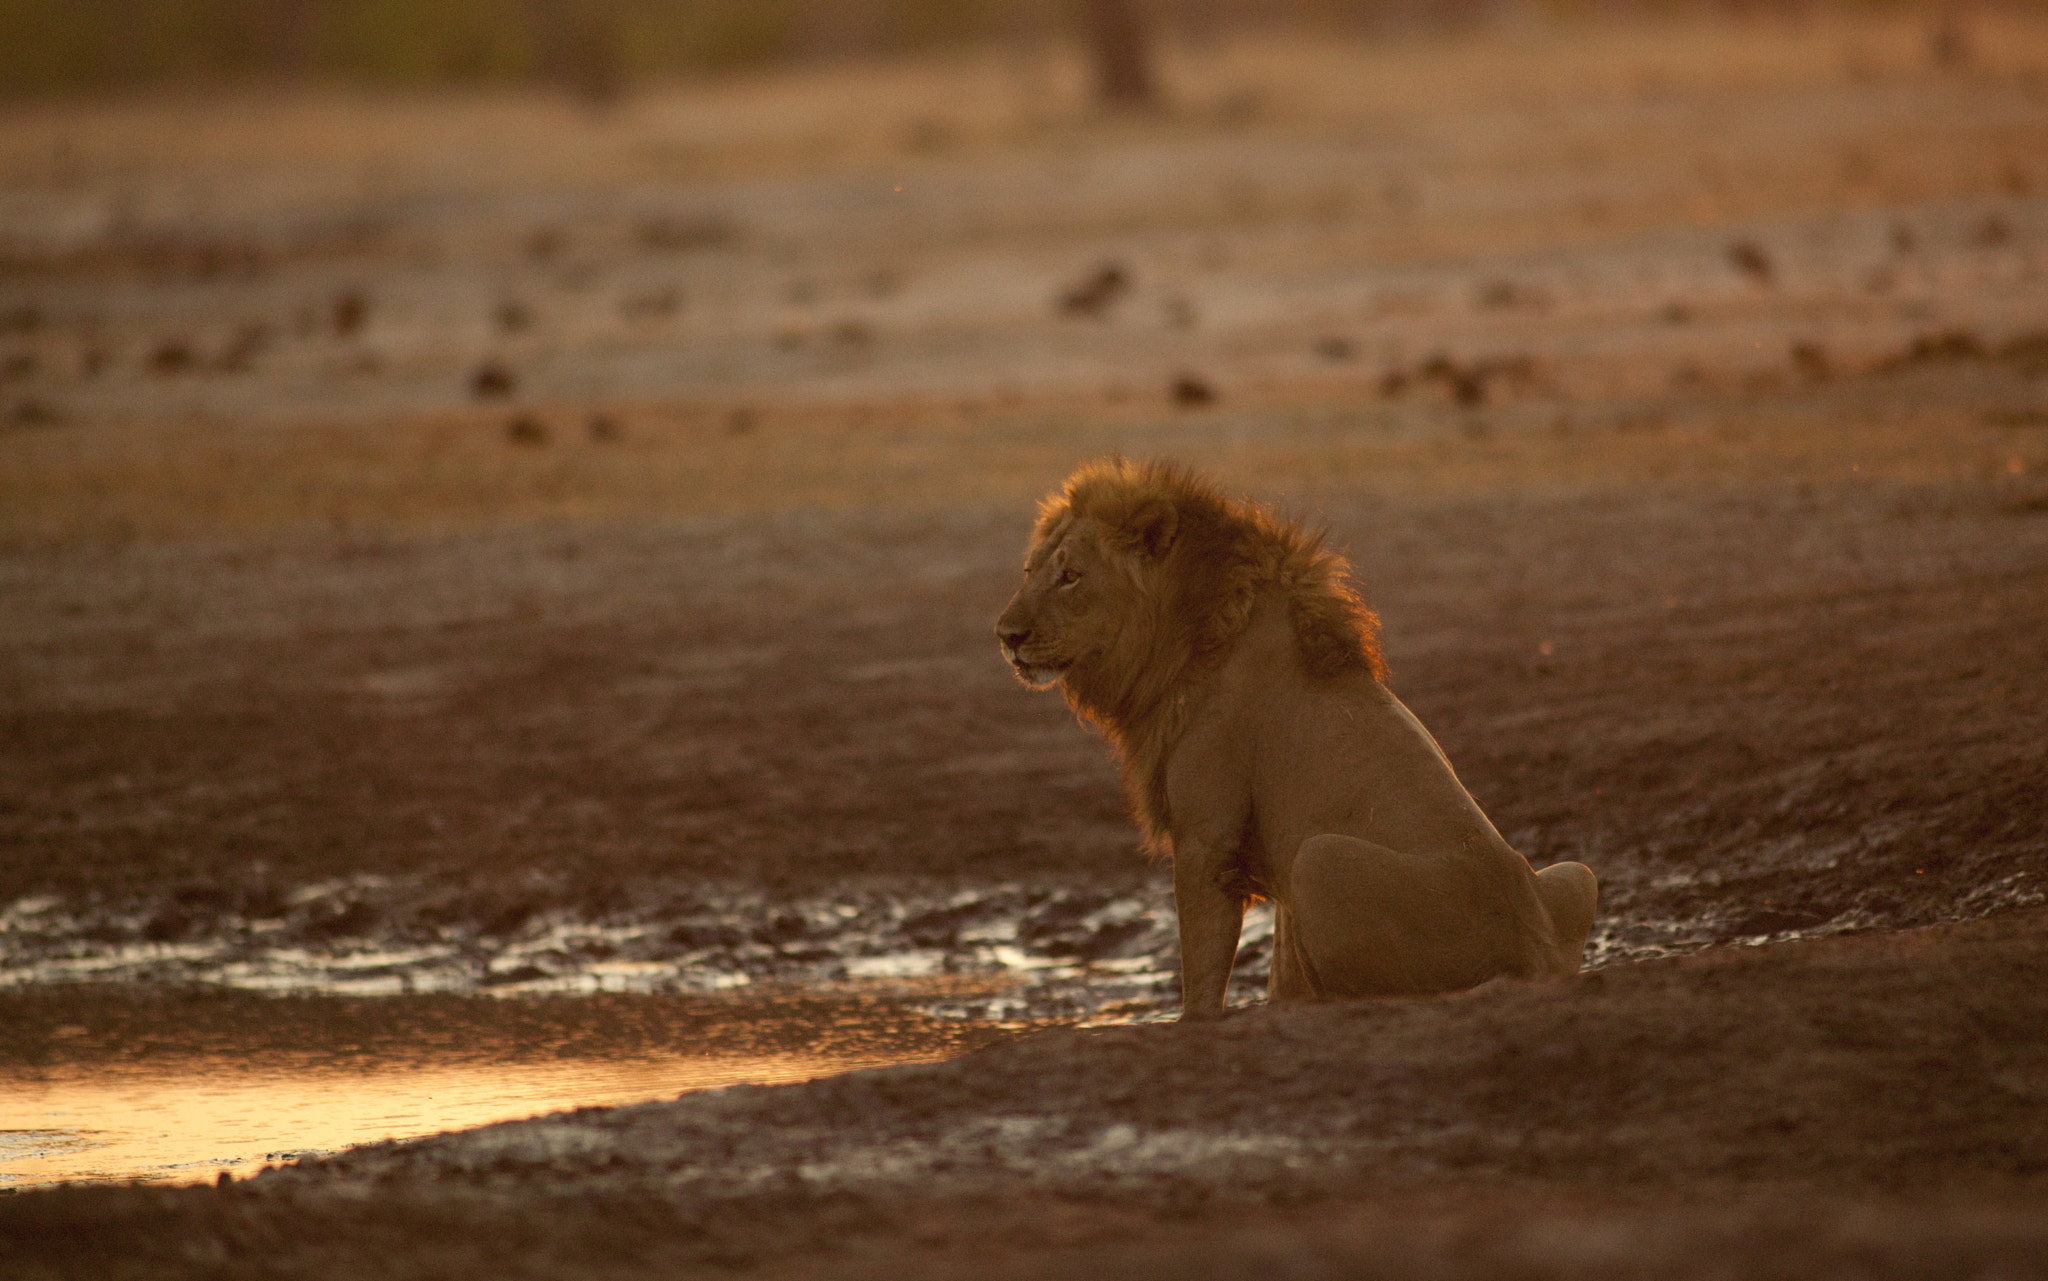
1035 673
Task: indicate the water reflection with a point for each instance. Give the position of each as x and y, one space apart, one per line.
116 1084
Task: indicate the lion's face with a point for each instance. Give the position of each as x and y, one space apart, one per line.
1075 595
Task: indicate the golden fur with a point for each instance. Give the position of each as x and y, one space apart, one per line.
1226 657
1223 552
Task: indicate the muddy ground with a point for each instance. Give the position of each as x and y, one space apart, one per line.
1866 1107
1679 393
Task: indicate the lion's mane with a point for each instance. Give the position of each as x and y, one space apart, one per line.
1190 607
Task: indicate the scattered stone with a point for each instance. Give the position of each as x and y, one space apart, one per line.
546 244
172 356
1943 346
1690 377
525 429
1094 295
2029 351
19 365
23 318
1904 240
1190 392
2014 418
248 342
513 316
1675 313
349 312
1179 313
1466 383
1749 258
604 429
1811 360
492 381
1948 41
1505 294
742 420
654 304
1993 231
33 413
1337 349
685 233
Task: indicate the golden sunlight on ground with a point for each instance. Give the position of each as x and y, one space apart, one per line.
228 1115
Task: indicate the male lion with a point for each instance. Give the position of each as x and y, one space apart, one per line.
1224 655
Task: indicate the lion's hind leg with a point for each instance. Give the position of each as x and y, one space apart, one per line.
1371 921
1570 894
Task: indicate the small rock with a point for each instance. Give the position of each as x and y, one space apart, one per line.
349 312
242 350
33 413
172 356
603 428
546 244
525 429
1095 294
1190 392
1749 258
492 381
665 233
655 304
1811 360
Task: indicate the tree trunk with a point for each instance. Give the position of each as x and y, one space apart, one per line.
1123 53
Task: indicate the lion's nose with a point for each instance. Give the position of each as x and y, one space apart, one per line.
1013 638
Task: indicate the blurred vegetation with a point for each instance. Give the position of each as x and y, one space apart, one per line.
63 46
57 47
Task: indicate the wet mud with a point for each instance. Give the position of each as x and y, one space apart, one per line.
1872 1106
126 1083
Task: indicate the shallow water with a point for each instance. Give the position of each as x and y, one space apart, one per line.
182 1088
1017 951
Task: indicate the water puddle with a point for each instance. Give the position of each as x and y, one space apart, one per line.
1044 952
130 1085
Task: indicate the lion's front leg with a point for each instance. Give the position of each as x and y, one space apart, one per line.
1211 919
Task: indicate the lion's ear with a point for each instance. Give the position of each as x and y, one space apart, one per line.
1152 527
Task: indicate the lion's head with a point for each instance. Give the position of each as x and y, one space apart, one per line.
1084 581
1140 575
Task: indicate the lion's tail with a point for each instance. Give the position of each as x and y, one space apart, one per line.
1570 893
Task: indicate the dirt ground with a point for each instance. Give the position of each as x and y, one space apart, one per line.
1867 1107
505 514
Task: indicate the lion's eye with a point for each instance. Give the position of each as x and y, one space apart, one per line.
1069 576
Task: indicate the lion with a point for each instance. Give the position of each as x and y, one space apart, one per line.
1237 676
